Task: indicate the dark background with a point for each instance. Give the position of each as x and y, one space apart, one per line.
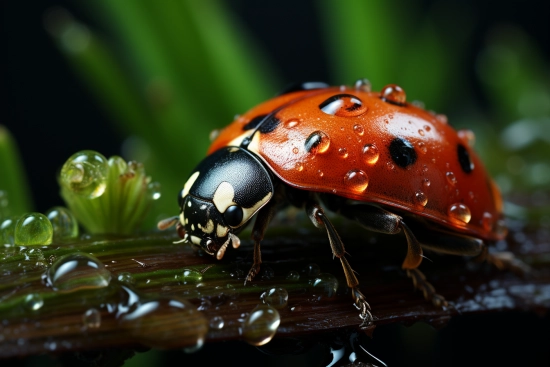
52 115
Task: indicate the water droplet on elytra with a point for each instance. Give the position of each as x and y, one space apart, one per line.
261 325
487 221
421 132
317 142
363 85
33 229
291 123
426 182
451 178
441 118
276 297
422 147
343 152
76 271
299 167
370 153
85 174
357 180
459 213
320 173
390 166
427 127
358 129
393 93
343 105
467 136
420 198
295 150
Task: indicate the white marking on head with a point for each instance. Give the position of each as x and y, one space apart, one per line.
195 240
189 183
249 212
223 197
209 228
192 227
221 231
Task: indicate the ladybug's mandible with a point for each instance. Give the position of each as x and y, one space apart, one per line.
373 157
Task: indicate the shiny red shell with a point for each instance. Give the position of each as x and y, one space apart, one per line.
352 155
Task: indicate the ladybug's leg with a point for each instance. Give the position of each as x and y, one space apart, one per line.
377 219
319 219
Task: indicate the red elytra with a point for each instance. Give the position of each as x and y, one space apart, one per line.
374 147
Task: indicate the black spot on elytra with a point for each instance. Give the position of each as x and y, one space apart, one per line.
464 159
266 123
402 152
295 87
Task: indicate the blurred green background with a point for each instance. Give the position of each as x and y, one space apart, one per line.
149 80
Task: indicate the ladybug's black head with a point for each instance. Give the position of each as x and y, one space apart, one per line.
225 190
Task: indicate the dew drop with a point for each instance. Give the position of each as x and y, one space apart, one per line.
165 323
394 94
422 147
343 152
217 323
467 136
426 182
420 198
293 276
91 319
357 180
317 142
64 223
275 297
421 132
295 150
7 230
190 276
320 173
427 127
487 221
343 105
358 129
299 167
451 178
312 269
459 213
33 302
363 85
84 173
370 153
153 190
260 325
325 285
126 278
390 166
33 229
215 133
291 123
76 271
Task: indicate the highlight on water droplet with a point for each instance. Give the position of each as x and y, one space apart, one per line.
320 173
358 129
390 166
311 269
91 319
324 285
317 142
394 94
217 323
441 118
459 213
420 198
356 180
363 85
426 182
85 173
33 229
64 223
343 152
370 153
153 189
276 297
260 325
76 271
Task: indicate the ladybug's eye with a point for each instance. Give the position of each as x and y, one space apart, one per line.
233 215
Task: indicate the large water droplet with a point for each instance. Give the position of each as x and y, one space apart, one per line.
276 297
260 325
394 94
325 285
370 153
343 105
63 222
420 198
356 180
317 142
33 229
76 271
84 173
363 85
459 213
165 323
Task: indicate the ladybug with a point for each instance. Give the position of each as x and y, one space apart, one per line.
371 157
